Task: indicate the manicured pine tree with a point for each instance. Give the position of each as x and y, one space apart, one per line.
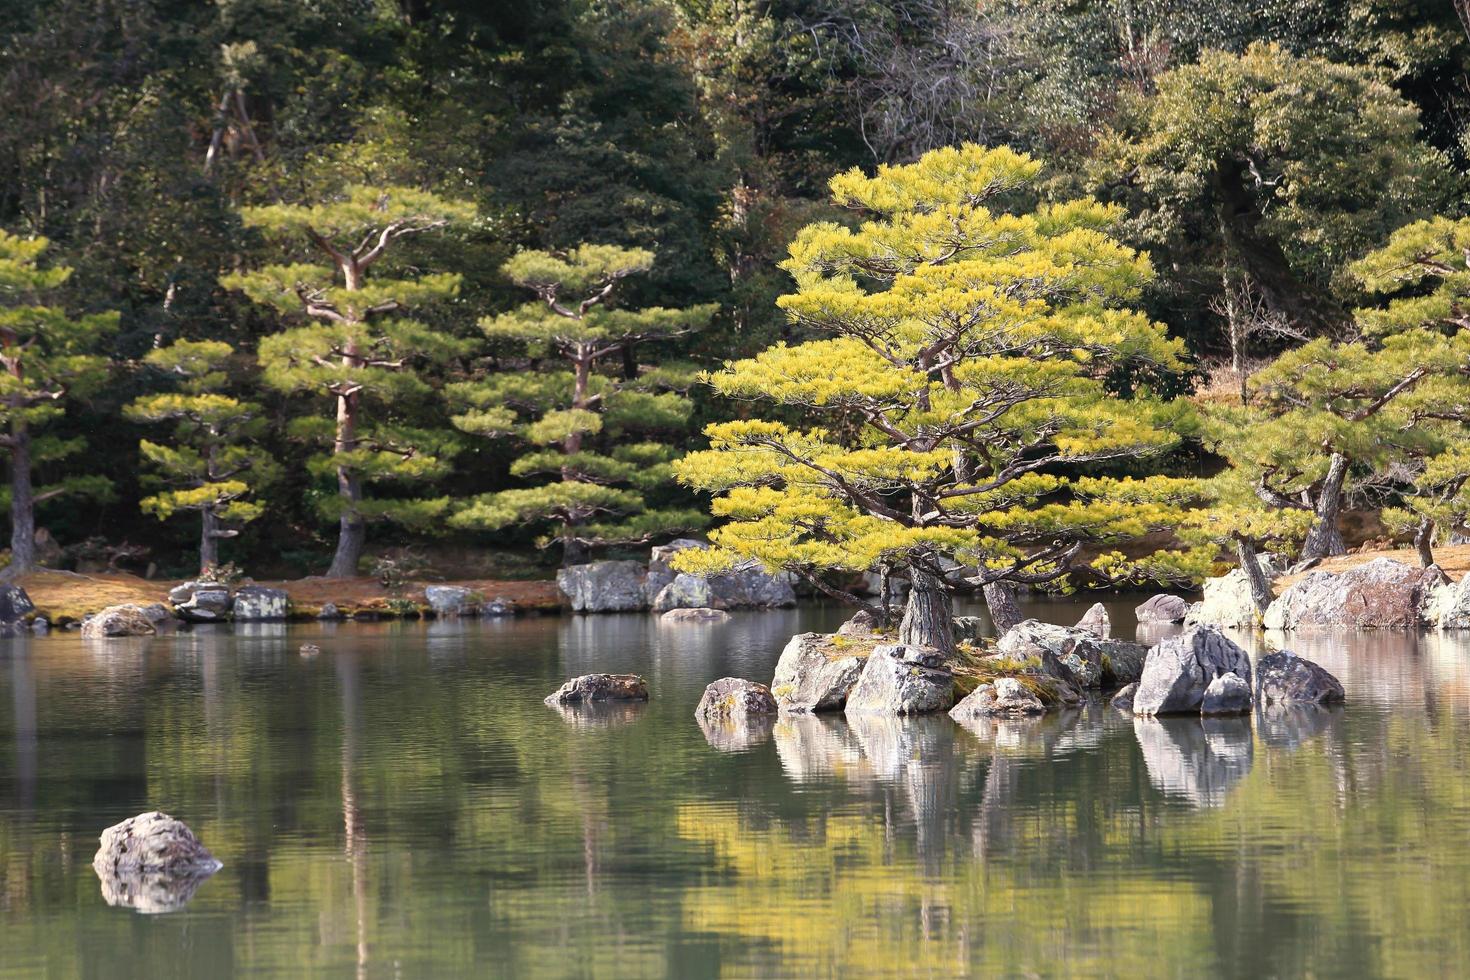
45 357
584 426
357 348
963 374
212 466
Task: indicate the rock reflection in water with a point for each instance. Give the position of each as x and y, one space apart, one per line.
1198 760
151 893
727 734
1287 726
600 715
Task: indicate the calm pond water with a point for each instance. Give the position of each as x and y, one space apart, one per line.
403 805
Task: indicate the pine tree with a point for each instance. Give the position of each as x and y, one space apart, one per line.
588 427
965 373
357 348
213 466
44 355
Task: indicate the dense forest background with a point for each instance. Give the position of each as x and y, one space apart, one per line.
1259 148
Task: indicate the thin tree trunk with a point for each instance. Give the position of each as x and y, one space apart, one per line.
208 541
1424 541
22 503
1000 599
352 531
1250 563
928 619
1325 538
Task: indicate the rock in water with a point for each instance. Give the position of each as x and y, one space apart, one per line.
1179 670
258 603
660 569
1285 678
902 680
600 687
813 676
329 611
1162 608
1006 696
1123 700
1073 654
737 699
1096 622
451 601
1122 662
201 602
684 591
1226 695
151 862
124 620
695 615
1226 602
1382 594
15 606
603 586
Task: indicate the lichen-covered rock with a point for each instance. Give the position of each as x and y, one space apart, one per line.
862 623
1285 678
1382 594
1123 700
1067 652
1227 694
1004 696
969 628
201 602
1447 605
1178 671
15 606
151 843
695 616
1122 662
899 679
256 603
600 687
603 586
736 699
498 606
124 620
813 676
1162 608
1096 622
747 586
451 601
158 614
684 591
660 568
1226 602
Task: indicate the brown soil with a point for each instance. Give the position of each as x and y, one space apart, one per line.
67 596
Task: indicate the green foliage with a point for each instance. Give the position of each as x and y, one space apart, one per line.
962 374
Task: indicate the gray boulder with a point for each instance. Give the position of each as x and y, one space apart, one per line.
1226 602
684 591
329 610
15 606
1122 662
970 628
813 676
1096 622
747 586
902 680
1285 678
735 699
1179 670
123 620
695 616
151 841
256 603
452 601
1123 700
862 623
1226 695
1382 594
660 569
600 687
201 602
1067 652
603 586
498 606
1006 696
1162 608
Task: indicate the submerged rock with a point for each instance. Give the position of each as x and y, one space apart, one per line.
151 862
451 601
1178 671
1227 694
255 603
603 586
124 620
1096 622
812 675
600 687
1382 594
696 615
899 679
1004 696
737 699
1285 678
1162 608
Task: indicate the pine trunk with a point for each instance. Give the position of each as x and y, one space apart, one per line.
1325 539
352 531
1250 563
1424 541
1000 599
22 504
928 619
209 541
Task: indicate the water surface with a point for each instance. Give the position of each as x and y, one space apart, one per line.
403 805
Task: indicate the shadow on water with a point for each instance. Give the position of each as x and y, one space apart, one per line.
403 803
